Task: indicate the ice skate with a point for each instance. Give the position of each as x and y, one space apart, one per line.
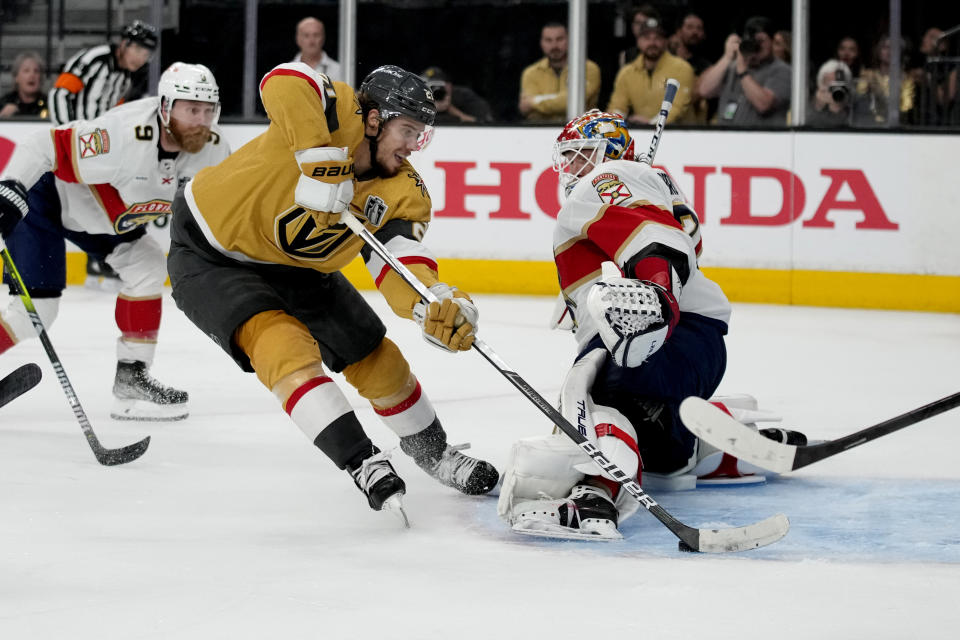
378 480
467 475
138 396
101 276
586 514
445 463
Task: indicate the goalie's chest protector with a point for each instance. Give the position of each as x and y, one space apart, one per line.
619 210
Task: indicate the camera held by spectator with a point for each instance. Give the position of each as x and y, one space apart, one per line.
749 43
455 103
840 87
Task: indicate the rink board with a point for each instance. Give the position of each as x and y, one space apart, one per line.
788 217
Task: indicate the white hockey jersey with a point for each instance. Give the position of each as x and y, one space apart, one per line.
624 211
110 174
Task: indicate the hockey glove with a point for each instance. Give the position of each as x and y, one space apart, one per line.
325 184
451 323
13 205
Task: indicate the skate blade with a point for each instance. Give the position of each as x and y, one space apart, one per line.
394 505
145 411
546 530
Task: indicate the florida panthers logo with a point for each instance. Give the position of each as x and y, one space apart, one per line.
141 213
611 188
297 235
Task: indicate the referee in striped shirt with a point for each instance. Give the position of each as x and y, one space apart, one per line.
93 81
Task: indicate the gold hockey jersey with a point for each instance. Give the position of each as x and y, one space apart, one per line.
245 205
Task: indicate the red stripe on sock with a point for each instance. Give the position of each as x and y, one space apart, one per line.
6 340
300 391
403 406
139 318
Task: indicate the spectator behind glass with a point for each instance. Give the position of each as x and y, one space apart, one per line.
685 43
932 80
455 103
311 36
783 45
832 101
873 87
638 88
848 52
543 85
637 17
753 85
28 97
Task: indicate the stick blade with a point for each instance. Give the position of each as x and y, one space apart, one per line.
752 536
114 457
713 425
19 381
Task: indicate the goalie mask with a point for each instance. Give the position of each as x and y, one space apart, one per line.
182 81
587 141
395 92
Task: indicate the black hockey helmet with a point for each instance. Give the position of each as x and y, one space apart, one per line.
396 92
142 33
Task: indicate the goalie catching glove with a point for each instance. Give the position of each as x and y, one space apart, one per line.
326 182
13 205
451 322
634 317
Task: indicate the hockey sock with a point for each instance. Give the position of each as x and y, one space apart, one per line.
426 447
411 415
323 413
139 318
7 339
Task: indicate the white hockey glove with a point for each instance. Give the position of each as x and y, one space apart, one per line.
634 317
326 182
451 323
13 205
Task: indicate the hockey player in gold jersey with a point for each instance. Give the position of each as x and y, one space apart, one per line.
255 257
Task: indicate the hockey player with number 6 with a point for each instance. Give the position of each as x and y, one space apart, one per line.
257 249
649 329
98 183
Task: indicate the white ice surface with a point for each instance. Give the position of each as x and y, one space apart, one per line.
233 526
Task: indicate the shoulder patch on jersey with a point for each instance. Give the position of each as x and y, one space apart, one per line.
94 144
374 209
611 189
418 181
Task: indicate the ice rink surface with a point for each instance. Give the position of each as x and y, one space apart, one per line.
233 526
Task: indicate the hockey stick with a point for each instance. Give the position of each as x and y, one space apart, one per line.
107 457
18 382
668 96
709 540
719 429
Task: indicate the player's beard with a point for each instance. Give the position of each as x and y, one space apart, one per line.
381 168
190 139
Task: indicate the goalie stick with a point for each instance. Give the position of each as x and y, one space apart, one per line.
716 427
691 539
106 457
668 96
18 382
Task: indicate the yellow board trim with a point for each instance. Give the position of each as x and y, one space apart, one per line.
909 292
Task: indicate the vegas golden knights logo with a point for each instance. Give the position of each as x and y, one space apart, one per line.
298 235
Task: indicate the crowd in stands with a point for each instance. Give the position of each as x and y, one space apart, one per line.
747 84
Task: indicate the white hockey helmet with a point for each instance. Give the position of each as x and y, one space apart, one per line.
184 81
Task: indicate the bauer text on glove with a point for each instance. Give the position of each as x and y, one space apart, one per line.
326 182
